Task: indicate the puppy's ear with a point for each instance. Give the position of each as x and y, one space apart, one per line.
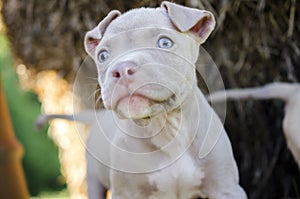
200 22
92 38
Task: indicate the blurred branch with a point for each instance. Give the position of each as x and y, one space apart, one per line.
12 184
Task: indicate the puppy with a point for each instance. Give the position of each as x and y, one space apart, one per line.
158 137
288 92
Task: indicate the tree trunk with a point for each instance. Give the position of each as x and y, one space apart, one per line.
12 184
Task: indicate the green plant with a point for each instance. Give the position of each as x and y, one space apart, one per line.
40 160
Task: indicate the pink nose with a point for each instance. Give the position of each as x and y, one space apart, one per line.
124 69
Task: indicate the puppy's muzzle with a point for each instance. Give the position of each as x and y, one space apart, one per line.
124 71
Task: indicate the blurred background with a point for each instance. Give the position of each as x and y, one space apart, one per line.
40 162
41 49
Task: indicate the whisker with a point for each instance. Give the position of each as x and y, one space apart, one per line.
94 93
91 84
93 78
97 102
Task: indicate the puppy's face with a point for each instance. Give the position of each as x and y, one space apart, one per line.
144 61
144 71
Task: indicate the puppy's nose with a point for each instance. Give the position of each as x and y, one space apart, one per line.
124 69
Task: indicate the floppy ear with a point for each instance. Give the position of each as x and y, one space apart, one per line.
92 38
200 22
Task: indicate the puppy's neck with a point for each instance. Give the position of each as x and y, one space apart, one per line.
175 129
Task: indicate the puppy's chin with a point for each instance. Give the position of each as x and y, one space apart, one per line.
134 107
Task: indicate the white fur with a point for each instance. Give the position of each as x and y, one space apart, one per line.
185 150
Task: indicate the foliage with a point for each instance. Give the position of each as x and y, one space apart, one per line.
52 195
40 161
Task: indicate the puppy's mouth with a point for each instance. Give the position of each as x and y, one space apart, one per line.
137 106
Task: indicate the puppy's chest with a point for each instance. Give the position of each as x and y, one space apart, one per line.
181 180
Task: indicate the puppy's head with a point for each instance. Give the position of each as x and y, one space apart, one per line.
145 57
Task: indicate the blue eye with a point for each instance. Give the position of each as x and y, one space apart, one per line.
165 43
102 56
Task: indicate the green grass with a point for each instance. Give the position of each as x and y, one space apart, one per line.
40 161
52 195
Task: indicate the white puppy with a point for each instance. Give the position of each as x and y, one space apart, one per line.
158 138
